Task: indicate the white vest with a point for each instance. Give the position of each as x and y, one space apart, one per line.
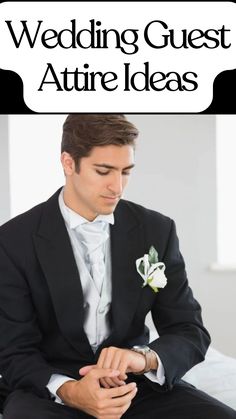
96 308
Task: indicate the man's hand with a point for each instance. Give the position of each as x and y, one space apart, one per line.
102 403
123 360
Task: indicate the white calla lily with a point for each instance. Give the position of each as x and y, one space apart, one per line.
152 273
158 277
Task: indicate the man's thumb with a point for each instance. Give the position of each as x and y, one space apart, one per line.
84 370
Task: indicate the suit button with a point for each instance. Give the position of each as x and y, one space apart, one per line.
101 310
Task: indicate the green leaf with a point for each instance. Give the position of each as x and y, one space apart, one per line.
152 255
141 267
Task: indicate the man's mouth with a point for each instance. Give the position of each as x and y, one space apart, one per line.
111 198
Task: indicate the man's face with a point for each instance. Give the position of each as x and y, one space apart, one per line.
102 177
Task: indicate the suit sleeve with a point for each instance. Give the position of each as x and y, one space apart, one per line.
21 363
183 340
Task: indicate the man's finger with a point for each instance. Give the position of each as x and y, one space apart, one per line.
109 358
104 383
111 382
103 372
121 390
86 369
102 357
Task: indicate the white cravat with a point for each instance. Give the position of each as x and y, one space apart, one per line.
93 236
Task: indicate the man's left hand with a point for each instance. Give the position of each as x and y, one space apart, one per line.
123 360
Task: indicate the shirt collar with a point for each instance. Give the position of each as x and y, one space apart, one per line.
73 219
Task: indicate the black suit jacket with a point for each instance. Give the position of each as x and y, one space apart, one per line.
41 299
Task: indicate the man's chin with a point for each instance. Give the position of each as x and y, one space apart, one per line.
109 208
108 211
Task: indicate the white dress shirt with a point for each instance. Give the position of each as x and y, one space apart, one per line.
97 305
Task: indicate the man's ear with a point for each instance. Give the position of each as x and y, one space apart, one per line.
68 163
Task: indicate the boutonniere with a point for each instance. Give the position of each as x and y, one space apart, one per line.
152 271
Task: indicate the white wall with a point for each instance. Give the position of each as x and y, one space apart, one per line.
4 170
226 180
34 156
175 174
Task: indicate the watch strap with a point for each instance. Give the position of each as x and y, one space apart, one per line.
148 354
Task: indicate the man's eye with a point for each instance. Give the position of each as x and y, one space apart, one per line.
102 173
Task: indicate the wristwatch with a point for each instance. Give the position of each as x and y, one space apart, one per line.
148 353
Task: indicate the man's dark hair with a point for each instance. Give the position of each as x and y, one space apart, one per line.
82 132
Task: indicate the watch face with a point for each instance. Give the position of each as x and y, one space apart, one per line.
139 346
143 348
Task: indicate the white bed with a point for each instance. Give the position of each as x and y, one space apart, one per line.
216 376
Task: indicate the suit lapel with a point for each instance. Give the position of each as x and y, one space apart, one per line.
56 258
127 245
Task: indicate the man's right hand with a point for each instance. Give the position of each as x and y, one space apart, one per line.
102 403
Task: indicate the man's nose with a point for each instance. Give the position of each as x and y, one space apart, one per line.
116 185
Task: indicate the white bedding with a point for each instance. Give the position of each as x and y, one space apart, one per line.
216 376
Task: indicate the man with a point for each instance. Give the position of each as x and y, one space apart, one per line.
72 303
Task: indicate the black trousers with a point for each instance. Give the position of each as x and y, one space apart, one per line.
183 402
